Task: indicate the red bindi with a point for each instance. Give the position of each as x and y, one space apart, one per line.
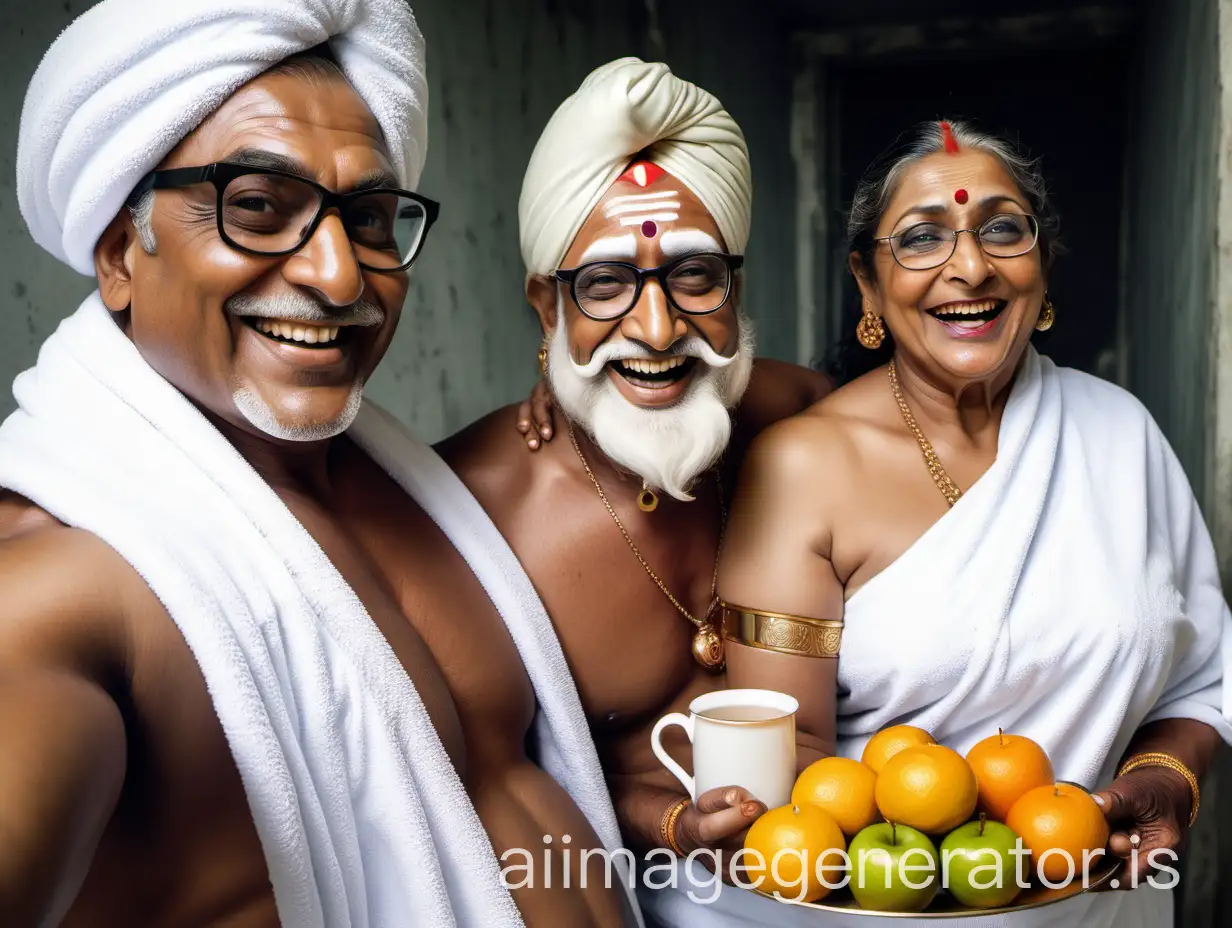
960 196
649 229
642 173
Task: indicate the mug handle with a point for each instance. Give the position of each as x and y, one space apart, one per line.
656 744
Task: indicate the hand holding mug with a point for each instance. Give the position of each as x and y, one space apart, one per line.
718 820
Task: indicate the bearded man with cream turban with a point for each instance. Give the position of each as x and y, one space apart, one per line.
634 217
262 654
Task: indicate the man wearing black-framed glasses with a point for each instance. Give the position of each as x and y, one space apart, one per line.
634 217
248 672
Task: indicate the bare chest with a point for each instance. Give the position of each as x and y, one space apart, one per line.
436 616
888 509
619 604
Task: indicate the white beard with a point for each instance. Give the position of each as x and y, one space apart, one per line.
669 447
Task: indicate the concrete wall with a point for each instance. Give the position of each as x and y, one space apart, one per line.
1170 229
497 70
1174 274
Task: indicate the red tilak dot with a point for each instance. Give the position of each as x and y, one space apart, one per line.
960 196
649 229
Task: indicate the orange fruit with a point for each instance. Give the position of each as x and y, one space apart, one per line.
1063 818
889 741
800 836
841 787
1007 767
929 787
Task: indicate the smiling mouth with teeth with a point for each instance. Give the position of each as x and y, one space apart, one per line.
302 334
645 372
972 314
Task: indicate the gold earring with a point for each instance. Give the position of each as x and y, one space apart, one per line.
543 361
871 330
1047 316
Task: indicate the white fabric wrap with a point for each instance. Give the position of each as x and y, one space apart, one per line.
622 109
1072 595
129 79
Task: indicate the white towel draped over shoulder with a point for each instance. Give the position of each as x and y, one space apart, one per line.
1071 595
362 818
129 79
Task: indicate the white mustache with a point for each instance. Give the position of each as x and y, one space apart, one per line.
296 307
691 347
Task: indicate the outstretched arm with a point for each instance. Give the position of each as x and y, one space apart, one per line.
783 603
62 740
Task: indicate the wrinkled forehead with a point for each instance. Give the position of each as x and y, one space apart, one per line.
646 202
952 184
320 125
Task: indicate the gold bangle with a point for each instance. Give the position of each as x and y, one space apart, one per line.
786 634
667 826
1160 759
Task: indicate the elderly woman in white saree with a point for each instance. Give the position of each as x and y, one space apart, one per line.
1008 544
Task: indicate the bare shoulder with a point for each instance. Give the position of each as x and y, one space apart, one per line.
64 589
490 454
826 445
777 390
492 459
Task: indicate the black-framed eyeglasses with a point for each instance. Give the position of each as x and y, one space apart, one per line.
264 211
693 284
926 245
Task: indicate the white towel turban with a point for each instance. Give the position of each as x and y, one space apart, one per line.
623 108
129 79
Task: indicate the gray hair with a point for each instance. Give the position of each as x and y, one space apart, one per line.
880 182
143 218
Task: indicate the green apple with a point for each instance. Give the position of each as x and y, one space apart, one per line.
978 864
893 868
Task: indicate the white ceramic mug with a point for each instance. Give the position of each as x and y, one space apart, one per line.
741 738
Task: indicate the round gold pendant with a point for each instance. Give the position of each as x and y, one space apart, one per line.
647 500
708 648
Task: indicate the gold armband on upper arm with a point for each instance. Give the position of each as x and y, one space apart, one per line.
787 634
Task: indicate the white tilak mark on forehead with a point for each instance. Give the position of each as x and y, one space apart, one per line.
624 209
643 217
687 242
620 206
612 248
634 197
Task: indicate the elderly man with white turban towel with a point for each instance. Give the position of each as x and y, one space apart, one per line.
635 213
253 671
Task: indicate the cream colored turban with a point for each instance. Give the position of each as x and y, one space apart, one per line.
623 108
123 85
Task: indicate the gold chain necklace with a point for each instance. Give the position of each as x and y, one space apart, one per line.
947 486
707 643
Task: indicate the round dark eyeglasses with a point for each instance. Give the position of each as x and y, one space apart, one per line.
926 245
263 211
694 284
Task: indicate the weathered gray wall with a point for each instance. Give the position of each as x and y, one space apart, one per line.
497 69
1171 285
1170 211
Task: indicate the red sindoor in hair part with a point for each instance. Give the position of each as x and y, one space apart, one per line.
948 140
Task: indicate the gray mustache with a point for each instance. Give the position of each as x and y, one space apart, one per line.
299 308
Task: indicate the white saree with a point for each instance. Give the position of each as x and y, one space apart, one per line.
1071 595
